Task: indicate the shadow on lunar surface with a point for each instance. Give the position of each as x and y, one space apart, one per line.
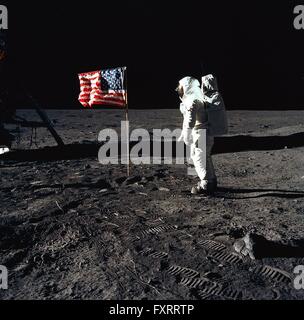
264 248
249 143
222 145
287 194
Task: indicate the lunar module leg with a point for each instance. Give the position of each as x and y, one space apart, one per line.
42 114
48 123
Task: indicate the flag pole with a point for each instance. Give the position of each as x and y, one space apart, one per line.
127 126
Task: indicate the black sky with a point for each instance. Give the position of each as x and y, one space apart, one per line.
251 46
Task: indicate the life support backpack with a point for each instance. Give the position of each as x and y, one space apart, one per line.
215 106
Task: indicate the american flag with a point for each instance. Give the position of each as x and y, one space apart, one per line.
105 87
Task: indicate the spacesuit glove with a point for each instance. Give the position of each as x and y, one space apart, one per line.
182 108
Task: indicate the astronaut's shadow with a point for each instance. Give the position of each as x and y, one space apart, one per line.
242 143
230 193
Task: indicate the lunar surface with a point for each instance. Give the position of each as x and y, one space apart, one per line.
71 228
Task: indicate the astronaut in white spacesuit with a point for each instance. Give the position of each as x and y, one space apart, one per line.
204 116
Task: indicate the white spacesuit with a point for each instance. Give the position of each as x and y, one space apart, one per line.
195 106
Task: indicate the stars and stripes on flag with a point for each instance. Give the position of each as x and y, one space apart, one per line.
105 87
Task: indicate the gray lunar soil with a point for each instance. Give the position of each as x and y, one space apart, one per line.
71 228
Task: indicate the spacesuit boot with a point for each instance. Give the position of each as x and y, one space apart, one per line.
208 189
